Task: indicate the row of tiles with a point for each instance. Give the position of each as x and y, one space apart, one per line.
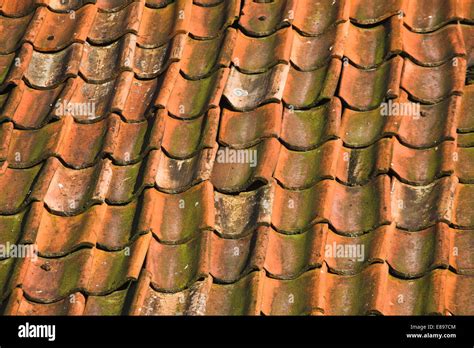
374 291
258 18
188 99
303 130
182 255
29 158
349 209
153 26
26 7
319 128
299 130
365 47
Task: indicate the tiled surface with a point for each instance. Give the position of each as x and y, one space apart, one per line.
131 209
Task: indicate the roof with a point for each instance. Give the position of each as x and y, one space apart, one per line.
237 157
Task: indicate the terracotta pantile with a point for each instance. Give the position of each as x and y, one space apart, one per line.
22 99
436 47
29 147
307 129
418 207
314 17
206 2
465 8
20 305
17 185
302 169
12 32
448 79
11 271
175 218
462 207
6 64
305 89
114 303
61 6
312 52
286 202
177 175
336 298
130 142
10 227
248 91
203 57
3 97
459 302
46 70
358 166
72 191
423 166
467 34
412 254
185 138
259 18
150 62
237 215
464 168
243 129
366 89
175 267
85 102
435 124
425 16
109 26
56 235
348 209
418 296
371 12
466 139
182 102
370 47
236 170
18 8
354 209
211 20
290 255
290 297
63 138
112 5
191 301
231 259
69 191
258 54
85 269
43 34
134 97
104 63
159 25
239 298
127 182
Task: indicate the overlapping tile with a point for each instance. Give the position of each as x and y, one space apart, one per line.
86 269
210 20
366 89
109 137
262 19
142 204
318 85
